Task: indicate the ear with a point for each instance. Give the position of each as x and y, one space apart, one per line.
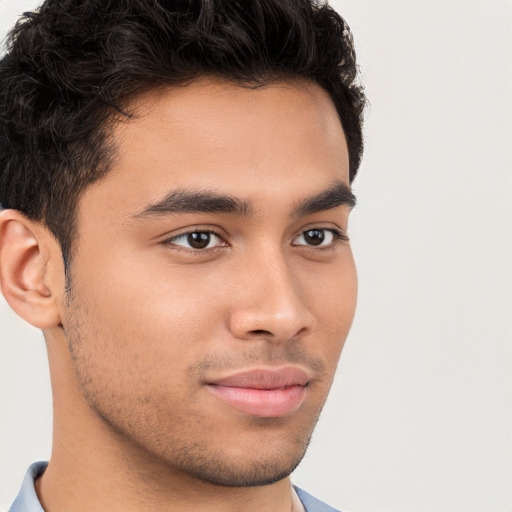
31 269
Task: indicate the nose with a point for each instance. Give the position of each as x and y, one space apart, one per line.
269 302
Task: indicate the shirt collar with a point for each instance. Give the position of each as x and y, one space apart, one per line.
27 500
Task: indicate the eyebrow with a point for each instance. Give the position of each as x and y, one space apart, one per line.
206 201
338 194
185 201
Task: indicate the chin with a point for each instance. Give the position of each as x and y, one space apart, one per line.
241 461
244 474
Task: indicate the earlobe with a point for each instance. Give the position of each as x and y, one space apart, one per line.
27 259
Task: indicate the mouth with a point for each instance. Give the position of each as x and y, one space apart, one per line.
265 393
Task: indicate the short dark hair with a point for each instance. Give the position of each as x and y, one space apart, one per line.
73 65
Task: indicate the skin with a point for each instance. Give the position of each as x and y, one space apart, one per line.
148 321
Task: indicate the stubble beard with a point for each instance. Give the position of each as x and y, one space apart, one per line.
174 448
180 455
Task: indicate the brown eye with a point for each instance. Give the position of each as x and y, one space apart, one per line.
314 236
199 240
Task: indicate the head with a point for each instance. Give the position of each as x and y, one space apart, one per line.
176 184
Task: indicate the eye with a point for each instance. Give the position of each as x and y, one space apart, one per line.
198 240
317 237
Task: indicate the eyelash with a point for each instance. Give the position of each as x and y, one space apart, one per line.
338 236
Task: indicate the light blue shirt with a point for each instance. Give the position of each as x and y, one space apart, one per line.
27 500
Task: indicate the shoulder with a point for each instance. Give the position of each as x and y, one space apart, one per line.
312 504
27 501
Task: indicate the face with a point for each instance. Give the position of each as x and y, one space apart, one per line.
212 282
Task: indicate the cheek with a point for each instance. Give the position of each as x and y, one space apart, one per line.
331 289
148 317
332 298
132 344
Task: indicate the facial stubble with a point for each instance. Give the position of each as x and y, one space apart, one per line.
131 419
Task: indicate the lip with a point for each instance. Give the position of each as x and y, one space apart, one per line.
267 393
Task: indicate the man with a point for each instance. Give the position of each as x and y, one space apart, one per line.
175 178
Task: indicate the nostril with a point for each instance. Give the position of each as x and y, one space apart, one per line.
261 332
301 331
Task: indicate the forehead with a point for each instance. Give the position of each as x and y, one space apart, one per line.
251 142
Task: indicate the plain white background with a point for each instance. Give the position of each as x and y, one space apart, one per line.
420 416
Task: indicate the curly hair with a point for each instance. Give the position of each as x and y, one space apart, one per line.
72 66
